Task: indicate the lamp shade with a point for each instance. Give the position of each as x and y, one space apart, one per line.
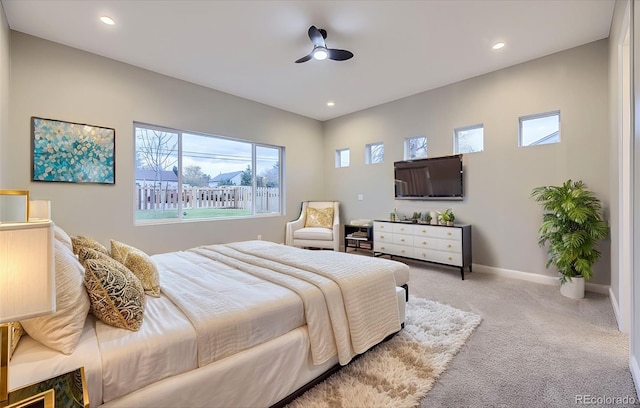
27 271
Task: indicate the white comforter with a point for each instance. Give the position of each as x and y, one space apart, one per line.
349 302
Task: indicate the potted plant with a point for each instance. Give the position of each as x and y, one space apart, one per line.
448 217
427 218
416 217
572 225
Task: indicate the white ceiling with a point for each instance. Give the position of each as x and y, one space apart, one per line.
248 48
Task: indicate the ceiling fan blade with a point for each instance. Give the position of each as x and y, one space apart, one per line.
304 59
339 55
316 37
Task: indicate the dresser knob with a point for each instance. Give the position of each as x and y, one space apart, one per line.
424 243
424 231
383 248
402 240
449 246
448 233
450 258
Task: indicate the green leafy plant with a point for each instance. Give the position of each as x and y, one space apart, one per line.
427 217
447 215
572 225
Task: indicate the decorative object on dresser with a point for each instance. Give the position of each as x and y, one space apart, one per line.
27 281
438 244
318 226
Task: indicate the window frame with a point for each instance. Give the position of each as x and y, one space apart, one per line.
407 149
456 145
368 153
339 158
179 151
525 118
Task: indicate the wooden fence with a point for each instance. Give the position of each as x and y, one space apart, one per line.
237 197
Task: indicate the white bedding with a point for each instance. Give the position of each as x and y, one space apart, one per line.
164 346
220 324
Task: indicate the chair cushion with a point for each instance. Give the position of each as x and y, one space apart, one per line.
319 217
323 234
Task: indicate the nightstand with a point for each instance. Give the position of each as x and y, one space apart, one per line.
358 237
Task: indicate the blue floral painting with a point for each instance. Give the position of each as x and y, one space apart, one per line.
72 152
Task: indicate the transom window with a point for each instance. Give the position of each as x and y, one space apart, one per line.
415 147
468 139
343 158
374 153
542 128
185 176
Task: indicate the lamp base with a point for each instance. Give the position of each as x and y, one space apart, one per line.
5 345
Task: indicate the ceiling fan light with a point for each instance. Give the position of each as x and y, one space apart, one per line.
320 53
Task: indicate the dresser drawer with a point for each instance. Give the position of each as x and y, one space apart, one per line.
382 226
384 236
427 254
450 245
402 239
426 231
450 233
400 228
449 258
402 250
425 242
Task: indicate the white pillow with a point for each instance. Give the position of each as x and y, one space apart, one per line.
62 330
63 237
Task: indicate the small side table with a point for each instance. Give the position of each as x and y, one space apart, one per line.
358 237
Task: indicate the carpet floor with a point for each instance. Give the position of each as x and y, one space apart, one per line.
399 372
534 348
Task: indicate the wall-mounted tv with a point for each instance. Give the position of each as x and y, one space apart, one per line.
438 178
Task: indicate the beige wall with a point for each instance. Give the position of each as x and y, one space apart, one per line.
499 180
4 84
58 82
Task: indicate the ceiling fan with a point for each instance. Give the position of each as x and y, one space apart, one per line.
320 50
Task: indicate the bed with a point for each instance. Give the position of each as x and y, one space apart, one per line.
243 324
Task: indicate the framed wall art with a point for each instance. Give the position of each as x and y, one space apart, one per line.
72 152
70 391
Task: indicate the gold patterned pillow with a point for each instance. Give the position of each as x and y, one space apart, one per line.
140 264
80 241
86 253
319 217
15 332
116 295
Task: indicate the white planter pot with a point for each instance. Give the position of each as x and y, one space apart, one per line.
573 288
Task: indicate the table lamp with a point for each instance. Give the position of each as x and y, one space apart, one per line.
27 281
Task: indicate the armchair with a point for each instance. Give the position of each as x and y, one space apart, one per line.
317 227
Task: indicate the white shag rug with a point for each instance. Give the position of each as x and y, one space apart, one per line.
400 372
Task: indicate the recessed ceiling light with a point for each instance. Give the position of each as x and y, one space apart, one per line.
107 20
331 104
498 45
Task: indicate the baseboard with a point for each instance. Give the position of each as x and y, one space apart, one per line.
616 309
635 372
536 278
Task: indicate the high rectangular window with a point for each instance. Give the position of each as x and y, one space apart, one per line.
343 158
415 147
468 139
374 153
185 175
542 128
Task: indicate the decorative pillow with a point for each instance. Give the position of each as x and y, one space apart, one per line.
62 329
117 296
140 264
63 237
319 217
15 332
87 253
87 242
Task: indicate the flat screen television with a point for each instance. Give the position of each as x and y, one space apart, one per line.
438 178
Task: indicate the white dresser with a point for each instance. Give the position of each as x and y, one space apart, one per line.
432 243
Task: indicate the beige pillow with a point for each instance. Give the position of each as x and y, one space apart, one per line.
15 332
117 297
62 329
140 264
63 237
80 241
319 217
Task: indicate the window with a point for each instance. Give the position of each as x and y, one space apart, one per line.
415 147
543 128
342 158
185 176
374 153
468 139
